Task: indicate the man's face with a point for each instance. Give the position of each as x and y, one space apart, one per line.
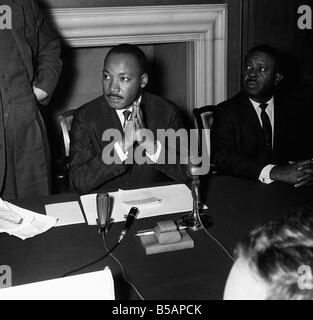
260 76
122 80
244 283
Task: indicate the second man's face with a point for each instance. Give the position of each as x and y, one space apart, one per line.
260 76
122 80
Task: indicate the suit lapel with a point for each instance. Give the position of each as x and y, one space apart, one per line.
112 119
250 117
18 30
143 107
107 118
279 125
150 117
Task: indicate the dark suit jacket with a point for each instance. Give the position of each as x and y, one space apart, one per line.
40 49
89 173
39 45
238 143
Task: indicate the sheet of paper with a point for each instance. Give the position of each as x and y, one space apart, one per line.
172 199
10 220
27 223
138 198
88 286
67 212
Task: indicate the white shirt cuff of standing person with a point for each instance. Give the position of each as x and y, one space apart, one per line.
40 94
265 174
124 155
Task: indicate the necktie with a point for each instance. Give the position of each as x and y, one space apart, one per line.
126 115
267 127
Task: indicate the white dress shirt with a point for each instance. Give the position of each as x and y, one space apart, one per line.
121 115
265 173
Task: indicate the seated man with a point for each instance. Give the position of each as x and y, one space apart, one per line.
122 112
260 134
275 262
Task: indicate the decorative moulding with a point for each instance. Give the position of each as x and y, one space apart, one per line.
204 27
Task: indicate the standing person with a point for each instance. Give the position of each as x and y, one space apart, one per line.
30 66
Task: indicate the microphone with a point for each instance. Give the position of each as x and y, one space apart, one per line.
193 172
103 211
132 215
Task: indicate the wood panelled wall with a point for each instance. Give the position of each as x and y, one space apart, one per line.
275 22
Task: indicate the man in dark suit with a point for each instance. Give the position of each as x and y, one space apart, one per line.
122 112
259 134
30 66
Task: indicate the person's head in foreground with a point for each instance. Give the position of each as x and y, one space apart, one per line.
275 262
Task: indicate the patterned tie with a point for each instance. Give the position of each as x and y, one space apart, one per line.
267 127
126 115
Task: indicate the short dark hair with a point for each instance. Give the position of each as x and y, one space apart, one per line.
271 51
276 250
132 50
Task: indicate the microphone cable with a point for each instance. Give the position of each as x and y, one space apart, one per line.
122 268
92 262
132 214
214 239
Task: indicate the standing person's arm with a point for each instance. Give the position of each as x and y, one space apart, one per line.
48 64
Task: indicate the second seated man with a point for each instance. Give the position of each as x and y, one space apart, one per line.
126 109
260 134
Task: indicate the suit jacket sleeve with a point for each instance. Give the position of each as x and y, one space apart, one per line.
177 170
48 62
87 169
226 149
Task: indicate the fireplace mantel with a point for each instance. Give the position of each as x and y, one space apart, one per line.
205 26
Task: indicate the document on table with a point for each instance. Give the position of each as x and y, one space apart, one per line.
97 285
67 213
21 222
153 201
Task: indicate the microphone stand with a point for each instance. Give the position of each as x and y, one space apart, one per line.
195 220
104 229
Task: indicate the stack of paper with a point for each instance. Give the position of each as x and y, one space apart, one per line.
150 202
67 213
89 286
23 223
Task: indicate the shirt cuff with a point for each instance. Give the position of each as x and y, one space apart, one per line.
123 156
40 94
265 174
155 157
